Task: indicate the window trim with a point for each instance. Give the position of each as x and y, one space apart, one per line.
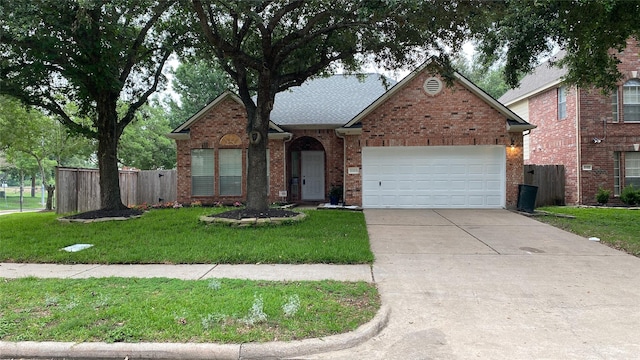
615 105
627 157
627 86
616 173
237 169
562 102
208 156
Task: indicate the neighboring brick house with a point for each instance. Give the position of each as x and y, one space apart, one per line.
420 144
594 136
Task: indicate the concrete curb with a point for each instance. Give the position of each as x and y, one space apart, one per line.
196 351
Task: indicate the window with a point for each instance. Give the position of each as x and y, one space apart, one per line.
230 168
616 173
614 106
632 169
562 102
631 100
202 172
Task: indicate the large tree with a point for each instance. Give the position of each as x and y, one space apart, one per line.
144 143
196 82
270 46
488 78
95 53
523 32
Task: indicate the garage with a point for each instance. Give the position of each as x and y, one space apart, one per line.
434 177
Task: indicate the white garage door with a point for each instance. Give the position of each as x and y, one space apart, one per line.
434 177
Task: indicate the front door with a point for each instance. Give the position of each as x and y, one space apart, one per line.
312 169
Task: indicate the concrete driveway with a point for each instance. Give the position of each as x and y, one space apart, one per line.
493 284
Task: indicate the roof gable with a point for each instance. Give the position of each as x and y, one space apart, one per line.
228 94
506 112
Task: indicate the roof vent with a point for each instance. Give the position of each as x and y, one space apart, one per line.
433 86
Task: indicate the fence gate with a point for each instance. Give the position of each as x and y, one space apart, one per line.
78 190
550 180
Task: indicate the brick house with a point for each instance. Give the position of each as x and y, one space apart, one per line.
418 144
594 136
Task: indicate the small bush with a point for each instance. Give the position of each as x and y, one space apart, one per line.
602 197
630 195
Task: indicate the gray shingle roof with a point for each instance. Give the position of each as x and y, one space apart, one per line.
333 100
539 79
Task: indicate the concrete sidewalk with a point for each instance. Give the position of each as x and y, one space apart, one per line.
193 272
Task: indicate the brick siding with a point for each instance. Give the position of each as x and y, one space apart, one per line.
453 117
554 141
409 118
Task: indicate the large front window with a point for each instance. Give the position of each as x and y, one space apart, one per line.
230 168
631 100
202 179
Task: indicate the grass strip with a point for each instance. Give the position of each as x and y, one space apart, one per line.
169 310
176 236
12 202
616 227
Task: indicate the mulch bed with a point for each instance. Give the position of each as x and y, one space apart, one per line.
101 214
233 214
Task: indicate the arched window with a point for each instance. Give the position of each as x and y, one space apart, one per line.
631 100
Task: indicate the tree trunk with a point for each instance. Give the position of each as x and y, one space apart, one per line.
50 190
257 187
258 131
108 136
33 185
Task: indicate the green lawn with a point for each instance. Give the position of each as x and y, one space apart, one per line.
617 227
167 310
12 201
176 236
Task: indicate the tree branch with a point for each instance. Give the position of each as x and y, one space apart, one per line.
132 55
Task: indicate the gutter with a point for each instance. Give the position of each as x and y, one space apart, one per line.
342 131
178 136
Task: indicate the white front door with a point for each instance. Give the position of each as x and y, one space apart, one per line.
312 175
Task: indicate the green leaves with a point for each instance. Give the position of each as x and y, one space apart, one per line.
524 31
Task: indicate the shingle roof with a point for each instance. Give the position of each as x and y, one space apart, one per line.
541 78
333 100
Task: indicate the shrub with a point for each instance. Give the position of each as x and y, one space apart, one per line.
602 197
630 195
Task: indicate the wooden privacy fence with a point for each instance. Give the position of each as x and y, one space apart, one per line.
78 190
550 180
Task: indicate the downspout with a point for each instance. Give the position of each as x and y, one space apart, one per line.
578 148
344 165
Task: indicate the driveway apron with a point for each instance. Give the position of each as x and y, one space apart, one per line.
493 284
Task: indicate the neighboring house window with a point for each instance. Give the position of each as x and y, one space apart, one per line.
632 169
230 168
562 102
614 106
631 100
526 141
202 172
616 173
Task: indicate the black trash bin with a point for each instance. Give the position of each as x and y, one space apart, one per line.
527 197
